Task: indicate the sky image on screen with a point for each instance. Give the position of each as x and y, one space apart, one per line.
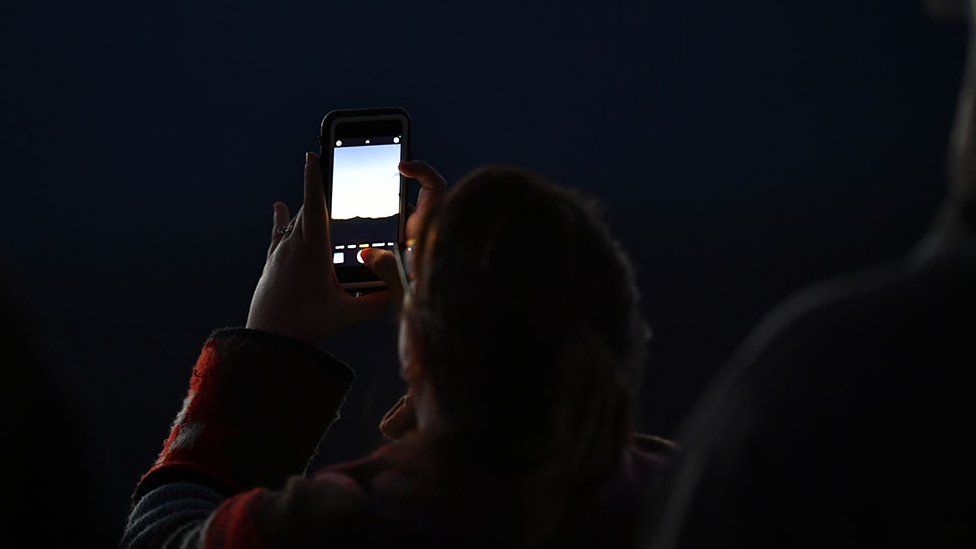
365 182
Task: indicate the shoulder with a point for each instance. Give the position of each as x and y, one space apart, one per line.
823 325
890 296
304 510
819 306
794 347
652 450
833 352
336 503
646 459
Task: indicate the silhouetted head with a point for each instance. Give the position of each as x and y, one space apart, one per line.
950 10
524 325
958 218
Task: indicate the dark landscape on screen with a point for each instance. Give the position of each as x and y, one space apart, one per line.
364 231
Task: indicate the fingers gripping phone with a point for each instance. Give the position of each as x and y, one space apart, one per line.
360 150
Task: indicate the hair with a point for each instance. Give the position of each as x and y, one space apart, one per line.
527 323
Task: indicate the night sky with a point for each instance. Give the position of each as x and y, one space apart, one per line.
742 150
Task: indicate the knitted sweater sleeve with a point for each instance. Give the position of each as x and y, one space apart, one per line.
257 406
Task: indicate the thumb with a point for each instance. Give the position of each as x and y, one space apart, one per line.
383 264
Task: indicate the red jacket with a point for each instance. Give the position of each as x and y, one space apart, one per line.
232 471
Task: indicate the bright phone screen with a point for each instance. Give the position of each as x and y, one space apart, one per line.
365 195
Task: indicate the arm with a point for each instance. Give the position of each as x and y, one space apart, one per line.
261 398
257 406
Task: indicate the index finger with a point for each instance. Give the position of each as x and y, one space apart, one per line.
315 218
431 182
432 185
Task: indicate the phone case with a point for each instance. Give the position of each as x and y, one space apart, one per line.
326 163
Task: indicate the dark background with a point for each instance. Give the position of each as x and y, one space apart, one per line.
741 152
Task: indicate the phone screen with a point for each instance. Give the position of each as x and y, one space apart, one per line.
365 206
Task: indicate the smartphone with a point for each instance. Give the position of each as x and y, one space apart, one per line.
360 150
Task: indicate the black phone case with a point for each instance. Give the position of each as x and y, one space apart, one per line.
325 161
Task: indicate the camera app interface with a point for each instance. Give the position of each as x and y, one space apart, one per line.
365 196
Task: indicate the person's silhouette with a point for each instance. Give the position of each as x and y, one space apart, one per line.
844 420
521 345
48 490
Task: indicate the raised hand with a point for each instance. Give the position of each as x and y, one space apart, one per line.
432 186
298 294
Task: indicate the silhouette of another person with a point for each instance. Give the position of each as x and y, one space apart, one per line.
48 493
846 419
